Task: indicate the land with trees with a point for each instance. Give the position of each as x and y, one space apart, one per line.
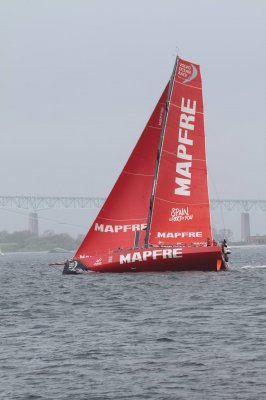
49 240
25 241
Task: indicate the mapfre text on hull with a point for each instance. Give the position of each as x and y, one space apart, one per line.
152 260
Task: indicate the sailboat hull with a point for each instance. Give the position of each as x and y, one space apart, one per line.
153 260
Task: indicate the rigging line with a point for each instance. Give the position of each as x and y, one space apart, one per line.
43 218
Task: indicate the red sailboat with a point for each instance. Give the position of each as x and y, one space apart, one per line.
157 216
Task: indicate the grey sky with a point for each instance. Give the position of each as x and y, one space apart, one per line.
79 80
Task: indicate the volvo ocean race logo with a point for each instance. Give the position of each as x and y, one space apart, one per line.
187 72
180 214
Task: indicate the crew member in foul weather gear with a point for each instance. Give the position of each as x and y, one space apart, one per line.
225 250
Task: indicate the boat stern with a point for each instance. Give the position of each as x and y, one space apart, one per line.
73 267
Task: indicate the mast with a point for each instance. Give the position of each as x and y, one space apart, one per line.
159 152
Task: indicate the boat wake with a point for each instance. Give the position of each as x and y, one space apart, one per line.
253 266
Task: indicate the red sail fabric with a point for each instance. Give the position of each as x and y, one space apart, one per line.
125 211
181 212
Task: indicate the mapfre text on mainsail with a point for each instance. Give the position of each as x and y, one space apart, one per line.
185 143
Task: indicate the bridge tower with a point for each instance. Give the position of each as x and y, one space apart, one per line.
245 227
33 224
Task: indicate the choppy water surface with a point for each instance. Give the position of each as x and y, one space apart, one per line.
188 335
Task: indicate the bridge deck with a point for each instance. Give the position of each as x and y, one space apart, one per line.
46 202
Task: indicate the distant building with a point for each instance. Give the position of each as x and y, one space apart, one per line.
258 239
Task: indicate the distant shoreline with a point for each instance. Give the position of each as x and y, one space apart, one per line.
66 251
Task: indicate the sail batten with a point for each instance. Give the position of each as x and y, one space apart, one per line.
185 203
132 173
190 86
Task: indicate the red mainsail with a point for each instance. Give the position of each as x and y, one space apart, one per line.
180 201
125 212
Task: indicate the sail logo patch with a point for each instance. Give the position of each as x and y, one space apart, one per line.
150 255
180 214
187 72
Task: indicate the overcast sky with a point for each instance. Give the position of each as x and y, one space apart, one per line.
79 79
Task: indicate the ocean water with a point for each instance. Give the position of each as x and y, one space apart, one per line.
187 335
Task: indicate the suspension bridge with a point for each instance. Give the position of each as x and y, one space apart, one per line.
38 203
35 203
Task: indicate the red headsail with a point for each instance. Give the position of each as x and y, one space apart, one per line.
125 211
181 212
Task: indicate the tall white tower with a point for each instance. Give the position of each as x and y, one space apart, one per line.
245 227
33 224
